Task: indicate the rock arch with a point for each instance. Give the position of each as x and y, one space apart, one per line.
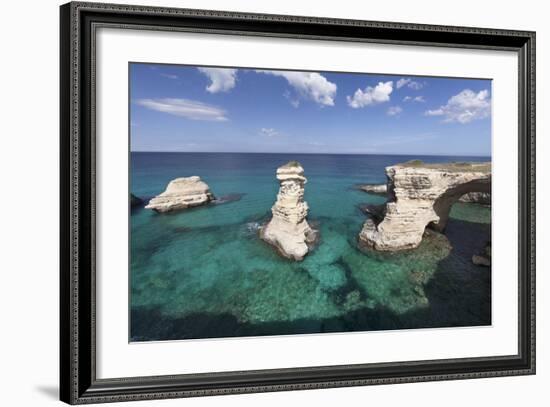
422 195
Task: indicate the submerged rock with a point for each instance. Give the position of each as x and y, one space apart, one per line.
234 197
288 229
421 195
484 258
182 193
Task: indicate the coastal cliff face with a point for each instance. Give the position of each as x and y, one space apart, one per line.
421 195
181 193
288 229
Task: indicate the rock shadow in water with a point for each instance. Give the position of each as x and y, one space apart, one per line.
225 199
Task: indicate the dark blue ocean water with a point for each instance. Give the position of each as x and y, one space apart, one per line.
204 272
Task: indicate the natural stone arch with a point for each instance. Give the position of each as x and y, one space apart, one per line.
442 206
421 195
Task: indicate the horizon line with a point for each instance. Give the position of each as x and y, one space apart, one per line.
307 153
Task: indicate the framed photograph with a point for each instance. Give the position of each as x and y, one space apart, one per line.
255 203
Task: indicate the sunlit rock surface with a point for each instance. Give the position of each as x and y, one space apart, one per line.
288 229
420 195
182 193
378 189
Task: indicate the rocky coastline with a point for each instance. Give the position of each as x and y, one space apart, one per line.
419 196
288 230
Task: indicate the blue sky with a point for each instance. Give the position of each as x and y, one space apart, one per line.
208 109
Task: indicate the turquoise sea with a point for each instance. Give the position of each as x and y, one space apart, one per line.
204 272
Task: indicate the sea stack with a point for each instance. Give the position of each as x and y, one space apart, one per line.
181 193
288 229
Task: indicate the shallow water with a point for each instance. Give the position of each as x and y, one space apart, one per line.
204 272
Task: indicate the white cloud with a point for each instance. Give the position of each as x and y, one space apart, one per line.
394 111
419 98
410 83
169 76
415 85
221 79
189 109
464 107
269 132
371 96
310 85
402 82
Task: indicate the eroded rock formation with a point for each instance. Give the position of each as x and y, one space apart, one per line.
182 193
288 229
483 198
422 195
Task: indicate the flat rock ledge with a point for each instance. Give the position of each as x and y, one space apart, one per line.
288 230
377 189
181 193
420 196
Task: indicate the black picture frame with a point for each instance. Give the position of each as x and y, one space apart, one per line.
78 381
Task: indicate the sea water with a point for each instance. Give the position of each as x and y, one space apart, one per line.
204 272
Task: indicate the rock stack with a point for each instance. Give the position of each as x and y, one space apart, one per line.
288 229
182 193
420 196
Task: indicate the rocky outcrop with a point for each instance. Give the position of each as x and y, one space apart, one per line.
181 193
377 189
421 195
288 229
